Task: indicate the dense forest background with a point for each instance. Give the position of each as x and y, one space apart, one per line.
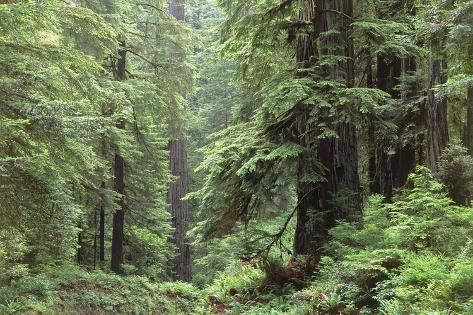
236 157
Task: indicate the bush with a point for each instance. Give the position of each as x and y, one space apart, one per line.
456 170
405 257
71 290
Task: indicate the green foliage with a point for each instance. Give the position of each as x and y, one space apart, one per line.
60 103
405 257
455 169
70 290
12 251
238 279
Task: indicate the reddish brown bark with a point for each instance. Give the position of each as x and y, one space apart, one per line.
181 264
437 125
179 209
317 210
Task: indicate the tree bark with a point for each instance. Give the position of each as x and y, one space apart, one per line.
437 125
384 173
79 247
318 210
179 208
371 133
102 227
468 134
119 182
308 199
181 266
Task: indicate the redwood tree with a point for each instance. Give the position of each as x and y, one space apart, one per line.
181 267
119 180
318 208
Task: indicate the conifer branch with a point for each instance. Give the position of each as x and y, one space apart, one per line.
277 236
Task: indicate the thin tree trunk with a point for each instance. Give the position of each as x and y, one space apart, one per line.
373 184
437 125
384 177
468 134
181 269
102 231
79 248
95 238
119 182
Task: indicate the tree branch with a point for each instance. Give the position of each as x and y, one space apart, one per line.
277 236
155 65
338 12
152 7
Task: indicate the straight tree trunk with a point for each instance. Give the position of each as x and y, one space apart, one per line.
102 214
79 248
308 199
318 208
371 132
181 267
404 160
393 164
95 239
119 182
385 82
102 230
437 125
179 208
393 168
468 134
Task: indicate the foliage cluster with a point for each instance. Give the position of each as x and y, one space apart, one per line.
69 289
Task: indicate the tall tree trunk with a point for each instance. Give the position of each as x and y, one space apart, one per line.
95 239
79 247
393 168
179 208
308 199
404 159
119 182
317 209
102 211
181 269
394 161
385 82
437 125
468 134
371 132
102 227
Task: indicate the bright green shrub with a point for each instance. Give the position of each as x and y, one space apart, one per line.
237 279
410 256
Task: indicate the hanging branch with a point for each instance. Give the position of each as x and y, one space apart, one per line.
154 64
152 7
277 236
339 13
139 135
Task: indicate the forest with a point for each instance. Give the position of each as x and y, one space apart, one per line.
236 157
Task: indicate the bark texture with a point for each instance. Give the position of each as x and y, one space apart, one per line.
393 161
437 125
318 208
468 134
102 229
179 209
119 182
181 265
